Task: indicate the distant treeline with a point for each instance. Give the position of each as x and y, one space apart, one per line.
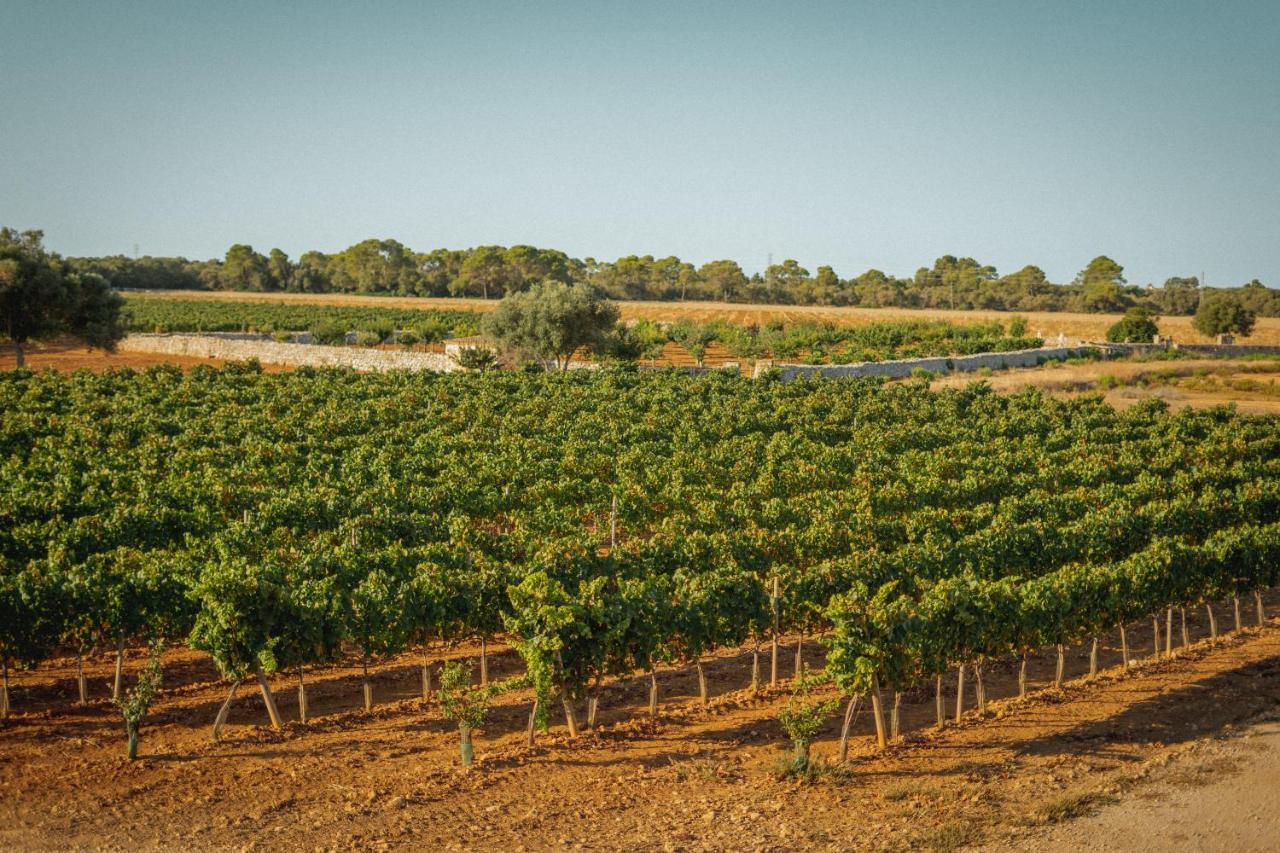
489 272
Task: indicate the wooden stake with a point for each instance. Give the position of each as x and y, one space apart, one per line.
115 687
878 712
1124 647
368 688
653 691
777 617
302 697
1235 599
569 718
755 669
1213 624
593 703
1093 658
269 700
80 681
939 703
702 682
426 677
1168 633
1186 641
959 691
484 662
1262 614
220 720
979 688
1022 677
1155 630
533 721
799 658
844 729
895 715
1062 667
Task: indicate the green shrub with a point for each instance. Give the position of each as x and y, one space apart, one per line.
1137 327
329 333
463 704
803 717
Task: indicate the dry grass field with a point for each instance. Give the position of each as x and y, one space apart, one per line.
1074 326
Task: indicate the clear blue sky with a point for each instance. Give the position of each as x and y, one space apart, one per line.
855 134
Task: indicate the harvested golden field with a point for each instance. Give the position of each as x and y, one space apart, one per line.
1050 324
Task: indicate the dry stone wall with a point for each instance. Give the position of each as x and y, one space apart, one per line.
240 347
903 368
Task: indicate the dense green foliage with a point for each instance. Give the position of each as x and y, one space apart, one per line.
1224 313
1137 327
269 519
556 333
41 297
330 322
388 267
552 320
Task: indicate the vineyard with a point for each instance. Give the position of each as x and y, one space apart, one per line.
178 315
814 342
603 524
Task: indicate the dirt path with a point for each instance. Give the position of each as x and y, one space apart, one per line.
1235 811
694 778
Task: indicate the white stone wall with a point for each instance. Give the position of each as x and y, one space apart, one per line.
903 368
241 347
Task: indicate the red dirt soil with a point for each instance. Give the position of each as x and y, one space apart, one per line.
69 356
702 778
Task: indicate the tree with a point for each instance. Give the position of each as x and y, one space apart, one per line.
1223 313
485 270
39 299
245 269
1180 295
1100 282
787 276
725 279
551 320
279 270
1138 326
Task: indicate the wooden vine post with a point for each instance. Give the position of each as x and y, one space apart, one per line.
80 680
849 712
877 711
777 621
221 719
302 697
267 698
116 685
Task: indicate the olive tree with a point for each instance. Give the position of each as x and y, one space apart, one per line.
1223 313
551 321
41 299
